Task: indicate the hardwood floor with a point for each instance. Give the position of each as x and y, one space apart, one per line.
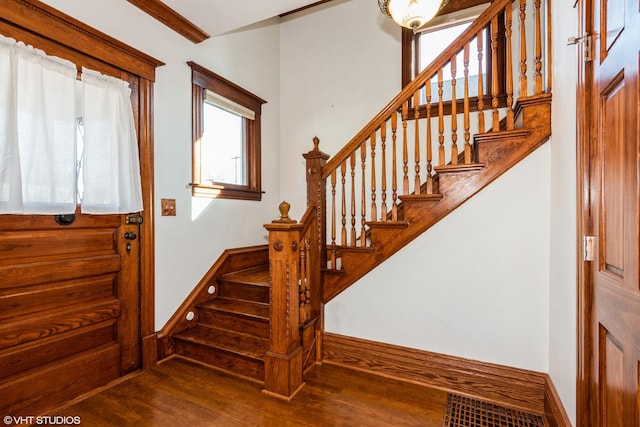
179 392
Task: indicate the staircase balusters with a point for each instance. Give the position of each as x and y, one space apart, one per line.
441 160
303 290
405 149
538 48
394 171
495 87
363 203
467 133
429 177
352 241
332 256
343 234
374 208
383 139
416 117
523 48
507 24
454 115
480 46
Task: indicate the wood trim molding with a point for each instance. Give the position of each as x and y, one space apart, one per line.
171 19
555 414
300 9
517 388
31 16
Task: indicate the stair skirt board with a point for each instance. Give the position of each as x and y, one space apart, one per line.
524 390
465 411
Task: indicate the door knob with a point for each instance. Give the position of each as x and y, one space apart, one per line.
130 236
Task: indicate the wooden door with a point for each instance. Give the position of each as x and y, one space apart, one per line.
69 320
613 213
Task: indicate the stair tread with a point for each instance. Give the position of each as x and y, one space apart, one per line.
258 276
256 310
233 342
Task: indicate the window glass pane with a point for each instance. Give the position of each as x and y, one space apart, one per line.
222 146
431 46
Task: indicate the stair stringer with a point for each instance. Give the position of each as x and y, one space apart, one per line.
498 151
231 260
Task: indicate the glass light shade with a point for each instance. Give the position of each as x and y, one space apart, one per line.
411 14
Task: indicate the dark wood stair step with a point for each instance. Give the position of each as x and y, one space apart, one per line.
239 308
244 345
234 352
258 276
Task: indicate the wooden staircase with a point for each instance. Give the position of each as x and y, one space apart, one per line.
494 153
232 330
257 312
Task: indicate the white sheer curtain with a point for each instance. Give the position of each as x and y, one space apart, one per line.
37 131
110 161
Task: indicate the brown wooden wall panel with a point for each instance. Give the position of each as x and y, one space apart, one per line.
45 297
22 358
45 325
51 243
60 382
43 272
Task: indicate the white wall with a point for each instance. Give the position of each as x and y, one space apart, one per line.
563 273
189 243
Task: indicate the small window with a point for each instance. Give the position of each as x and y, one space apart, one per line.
421 48
226 138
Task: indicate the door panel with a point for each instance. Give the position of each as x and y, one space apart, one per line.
614 185
69 298
611 381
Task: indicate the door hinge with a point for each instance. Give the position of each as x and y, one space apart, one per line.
585 41
588 245
133 219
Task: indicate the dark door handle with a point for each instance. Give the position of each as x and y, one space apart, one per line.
130 236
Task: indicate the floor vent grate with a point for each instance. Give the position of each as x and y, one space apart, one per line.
467 412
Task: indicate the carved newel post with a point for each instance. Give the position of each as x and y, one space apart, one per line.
283 361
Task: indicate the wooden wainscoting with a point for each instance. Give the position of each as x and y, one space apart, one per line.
516 388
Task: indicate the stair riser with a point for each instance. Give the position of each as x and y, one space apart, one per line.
243 291
258 328
221 359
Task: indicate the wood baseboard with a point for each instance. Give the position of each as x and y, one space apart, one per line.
555 414
517 388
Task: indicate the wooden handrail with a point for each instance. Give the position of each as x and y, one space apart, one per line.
396 103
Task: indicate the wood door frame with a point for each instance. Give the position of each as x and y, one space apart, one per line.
584 226
59 34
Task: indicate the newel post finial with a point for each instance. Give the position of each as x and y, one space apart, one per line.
284 208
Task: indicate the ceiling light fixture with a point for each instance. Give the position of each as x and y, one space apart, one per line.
411 14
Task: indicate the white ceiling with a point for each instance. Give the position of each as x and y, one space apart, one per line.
221 16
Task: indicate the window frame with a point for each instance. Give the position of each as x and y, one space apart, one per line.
411 61
202 80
